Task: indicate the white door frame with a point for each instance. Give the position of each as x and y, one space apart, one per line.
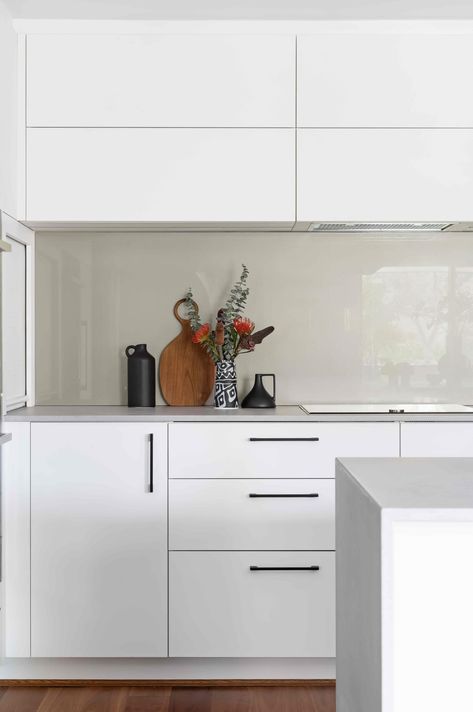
13 230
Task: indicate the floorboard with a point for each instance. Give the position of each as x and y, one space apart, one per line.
147 699
167 699
22 699
236 699
191 699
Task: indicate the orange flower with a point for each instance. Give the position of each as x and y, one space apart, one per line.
202 334
243 326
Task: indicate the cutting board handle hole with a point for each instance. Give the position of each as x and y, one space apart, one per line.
182 320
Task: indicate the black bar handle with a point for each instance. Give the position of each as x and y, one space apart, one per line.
284 568
151 462
284 440
308 494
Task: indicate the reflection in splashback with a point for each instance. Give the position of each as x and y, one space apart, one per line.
357 318
418 330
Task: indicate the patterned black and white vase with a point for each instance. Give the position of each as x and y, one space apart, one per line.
226 394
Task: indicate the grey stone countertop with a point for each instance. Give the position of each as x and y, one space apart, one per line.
413 482
290 413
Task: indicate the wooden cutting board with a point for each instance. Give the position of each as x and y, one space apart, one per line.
186 372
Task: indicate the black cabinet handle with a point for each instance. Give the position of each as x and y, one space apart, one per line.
309 494
151 462
284 440
284 568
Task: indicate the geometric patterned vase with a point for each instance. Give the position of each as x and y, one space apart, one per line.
226 395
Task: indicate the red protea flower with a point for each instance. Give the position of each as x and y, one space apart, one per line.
243 326
202 334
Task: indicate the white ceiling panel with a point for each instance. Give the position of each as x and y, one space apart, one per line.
240 9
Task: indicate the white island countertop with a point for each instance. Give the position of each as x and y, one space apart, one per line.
404 538
415 482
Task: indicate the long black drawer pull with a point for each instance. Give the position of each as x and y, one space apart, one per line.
284 440
309 494
284 568
151 462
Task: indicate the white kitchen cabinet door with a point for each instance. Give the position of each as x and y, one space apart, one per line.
219 607
15 543
385 175
14 317
384 79
437 439
98 540
161 80
176 175
274 450
252 514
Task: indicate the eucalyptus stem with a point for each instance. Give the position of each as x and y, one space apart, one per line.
238 332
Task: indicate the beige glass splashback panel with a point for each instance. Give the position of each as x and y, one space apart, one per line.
356 319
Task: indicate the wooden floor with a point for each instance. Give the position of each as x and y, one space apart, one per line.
176 699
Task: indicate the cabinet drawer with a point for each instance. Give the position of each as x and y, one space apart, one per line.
437 439
285 450
252 514
218 607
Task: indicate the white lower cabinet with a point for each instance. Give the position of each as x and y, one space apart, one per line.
437 439
258 495
274 449
252 514
251 555
98 540
220 607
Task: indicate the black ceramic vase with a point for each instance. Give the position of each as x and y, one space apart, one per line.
259 397
141 377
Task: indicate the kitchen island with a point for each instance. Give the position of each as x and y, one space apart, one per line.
404 584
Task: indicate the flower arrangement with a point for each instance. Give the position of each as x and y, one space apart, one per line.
234 333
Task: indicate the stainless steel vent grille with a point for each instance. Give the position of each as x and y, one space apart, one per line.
378 227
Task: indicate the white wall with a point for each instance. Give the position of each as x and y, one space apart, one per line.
8 113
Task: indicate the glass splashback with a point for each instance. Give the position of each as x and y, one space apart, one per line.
357 319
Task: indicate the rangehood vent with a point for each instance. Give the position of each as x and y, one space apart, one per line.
378 227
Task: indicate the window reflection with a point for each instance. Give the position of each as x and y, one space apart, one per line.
417 329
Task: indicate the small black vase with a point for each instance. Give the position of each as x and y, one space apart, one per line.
259 397
141 377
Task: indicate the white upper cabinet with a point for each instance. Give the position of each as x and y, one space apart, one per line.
385 175
385 79
161 80
175 175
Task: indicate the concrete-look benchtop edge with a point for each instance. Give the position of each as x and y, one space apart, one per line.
413 482
290 413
